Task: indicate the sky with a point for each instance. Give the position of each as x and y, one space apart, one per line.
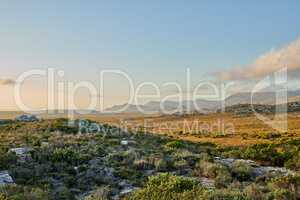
148 40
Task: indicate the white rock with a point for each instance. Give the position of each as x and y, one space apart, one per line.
5 178
207 183
257 170
20 151
124 142
27 118
45 144
94 128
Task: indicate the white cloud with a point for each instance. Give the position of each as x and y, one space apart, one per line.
288 56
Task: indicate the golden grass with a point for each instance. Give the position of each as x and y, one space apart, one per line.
224 129
238 131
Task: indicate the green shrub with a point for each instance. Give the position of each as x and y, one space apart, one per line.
294 162
7 159
255 192
206 157
276 155
175 144
101 193
241 171
68 155
282 194
62 126
15 192
269 135
209 169
181 164
167 187
125 162
164 165
224 195
217 135
289 183
143 164
3 197
223 179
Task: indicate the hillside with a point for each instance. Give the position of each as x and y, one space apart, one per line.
55 161
206 106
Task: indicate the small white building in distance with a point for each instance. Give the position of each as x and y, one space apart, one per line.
5 178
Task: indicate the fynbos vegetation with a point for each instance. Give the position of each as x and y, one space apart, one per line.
50 159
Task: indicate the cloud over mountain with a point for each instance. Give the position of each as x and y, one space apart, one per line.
288 56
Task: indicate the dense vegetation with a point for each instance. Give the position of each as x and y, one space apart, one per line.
284 154
169 187
66 165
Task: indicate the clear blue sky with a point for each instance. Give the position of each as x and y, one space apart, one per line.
149 39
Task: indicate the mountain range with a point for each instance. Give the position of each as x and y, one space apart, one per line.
204 106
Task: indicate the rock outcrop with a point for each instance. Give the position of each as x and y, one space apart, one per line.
5 178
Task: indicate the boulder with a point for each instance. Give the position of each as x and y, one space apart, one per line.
23 154
257 170
27 118
230 161
272 171
207 183
94 128
124 142
5 178
20 151
126 188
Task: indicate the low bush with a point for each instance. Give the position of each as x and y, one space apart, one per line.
164 165
224 195
175 144
209 169
288 183
223 179
167 187
14 192
269 135
7 159
143 164
255 192
68 155
241 171
101 193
